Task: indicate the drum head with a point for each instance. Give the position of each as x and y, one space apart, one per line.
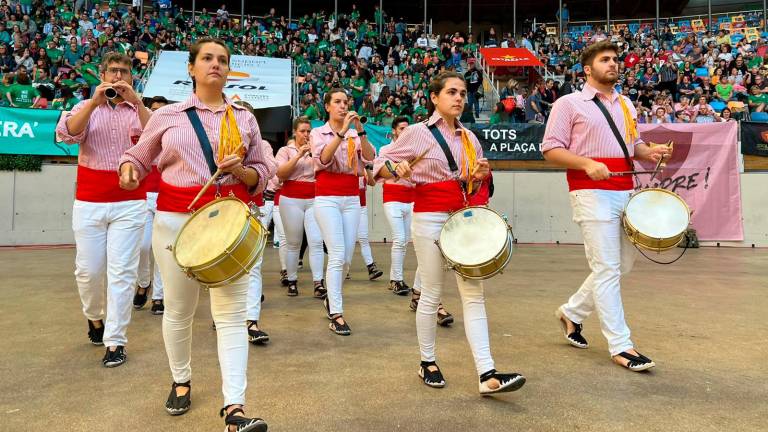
658 213
210 232
473 236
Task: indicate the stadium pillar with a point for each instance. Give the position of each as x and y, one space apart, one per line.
607 16
765 19
658 31
335 12
242 15
709 14
560 21
425 17
141 10
290 10
470 18
193 13
514 19
381 25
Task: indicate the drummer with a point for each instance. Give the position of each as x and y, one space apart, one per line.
171 138
578 137
340 154
438 193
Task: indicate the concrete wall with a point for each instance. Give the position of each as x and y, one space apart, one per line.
38 207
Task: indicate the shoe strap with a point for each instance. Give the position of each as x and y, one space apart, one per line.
488 375
640 359
184 384
223 412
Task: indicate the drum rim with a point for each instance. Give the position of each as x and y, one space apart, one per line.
191 217
509 241
626 220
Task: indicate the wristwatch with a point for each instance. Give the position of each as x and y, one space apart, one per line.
362 133
339 135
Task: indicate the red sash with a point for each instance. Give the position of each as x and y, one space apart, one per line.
362 197
276 199
104 186
334 184
152 180
578 179
177 199
443 197
398 193
298 189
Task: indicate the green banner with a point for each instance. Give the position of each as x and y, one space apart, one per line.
31 131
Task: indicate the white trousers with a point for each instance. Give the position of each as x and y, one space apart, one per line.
338 218
228 307
425 230
279 235
399 218
610 255
362 237
108 236
148 270
298 217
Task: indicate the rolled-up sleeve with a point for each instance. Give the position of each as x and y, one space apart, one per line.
395 152
257 158
558 133
145 152
62 131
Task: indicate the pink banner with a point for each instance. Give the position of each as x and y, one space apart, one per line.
704 172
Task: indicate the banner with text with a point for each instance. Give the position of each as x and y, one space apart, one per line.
754 138
510 141
704 171
31 131
263 82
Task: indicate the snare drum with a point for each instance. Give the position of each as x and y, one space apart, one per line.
220 242
656 219
476 242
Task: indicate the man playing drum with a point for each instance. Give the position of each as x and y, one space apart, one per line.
579 137
439 192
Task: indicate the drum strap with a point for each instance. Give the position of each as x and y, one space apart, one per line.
615 131
444 145
203 138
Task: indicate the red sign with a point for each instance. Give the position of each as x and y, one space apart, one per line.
509 57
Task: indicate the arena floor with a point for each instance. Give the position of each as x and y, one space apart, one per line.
702 320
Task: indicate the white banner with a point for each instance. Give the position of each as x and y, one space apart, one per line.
263 82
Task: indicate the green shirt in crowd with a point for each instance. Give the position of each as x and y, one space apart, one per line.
23 95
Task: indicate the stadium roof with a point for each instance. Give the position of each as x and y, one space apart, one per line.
489 11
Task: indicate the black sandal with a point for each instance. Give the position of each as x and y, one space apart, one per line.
415 296
96 335
293 289
320 291
341 329
575 338
242 423
507 382
637 363
444 319
256 336
178 405
433 379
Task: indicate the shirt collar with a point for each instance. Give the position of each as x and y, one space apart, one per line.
589 92
194 101
437 118
327 130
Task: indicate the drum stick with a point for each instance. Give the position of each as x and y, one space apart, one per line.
418 158
620 173
205 188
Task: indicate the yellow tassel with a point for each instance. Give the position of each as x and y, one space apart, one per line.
470 158
630 126
230 141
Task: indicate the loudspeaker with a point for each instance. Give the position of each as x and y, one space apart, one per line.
274 120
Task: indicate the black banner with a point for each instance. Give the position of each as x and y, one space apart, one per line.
754 138
510 141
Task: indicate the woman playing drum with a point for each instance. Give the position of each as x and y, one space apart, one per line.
438 193
171 137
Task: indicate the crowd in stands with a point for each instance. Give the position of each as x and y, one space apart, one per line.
50 52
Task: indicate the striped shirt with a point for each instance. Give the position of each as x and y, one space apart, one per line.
322 136
401 181
108 134
304 168
578 125
416 139
170 138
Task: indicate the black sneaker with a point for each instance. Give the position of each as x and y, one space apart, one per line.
96 335
373 272
256 336
114 358
284 278
399 288
157 307
139 300
293 289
